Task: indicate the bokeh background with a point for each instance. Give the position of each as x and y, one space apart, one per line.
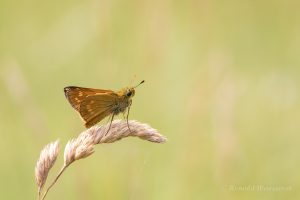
222 83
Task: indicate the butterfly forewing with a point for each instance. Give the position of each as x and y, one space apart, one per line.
76 95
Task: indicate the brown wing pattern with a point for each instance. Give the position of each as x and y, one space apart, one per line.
76 95
96 107
97 118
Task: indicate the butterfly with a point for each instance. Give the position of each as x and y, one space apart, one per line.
94 105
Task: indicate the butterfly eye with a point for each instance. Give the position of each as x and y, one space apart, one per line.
129 93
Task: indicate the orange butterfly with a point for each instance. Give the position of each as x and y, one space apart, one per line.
93 105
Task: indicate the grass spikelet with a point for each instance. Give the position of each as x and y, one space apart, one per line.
83 146
45 162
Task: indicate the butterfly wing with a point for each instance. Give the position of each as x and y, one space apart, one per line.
76 95
94 108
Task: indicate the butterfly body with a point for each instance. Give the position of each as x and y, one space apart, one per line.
123 100
93 105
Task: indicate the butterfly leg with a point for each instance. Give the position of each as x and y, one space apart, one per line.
112 118
127 117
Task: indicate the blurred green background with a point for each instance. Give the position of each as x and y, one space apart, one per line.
222 83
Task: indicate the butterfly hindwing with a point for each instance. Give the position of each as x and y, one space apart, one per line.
94 108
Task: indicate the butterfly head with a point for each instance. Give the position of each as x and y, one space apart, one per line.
130 92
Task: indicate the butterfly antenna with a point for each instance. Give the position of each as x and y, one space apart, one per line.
143 81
